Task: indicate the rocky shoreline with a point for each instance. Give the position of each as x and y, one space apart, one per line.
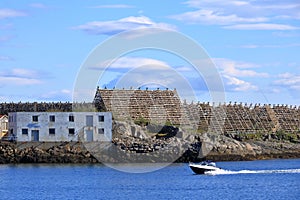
66 153
229 149
133 143
34 152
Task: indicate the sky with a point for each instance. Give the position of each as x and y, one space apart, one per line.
254 46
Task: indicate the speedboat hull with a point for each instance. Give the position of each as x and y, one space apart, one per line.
201 169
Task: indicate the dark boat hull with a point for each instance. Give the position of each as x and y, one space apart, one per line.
198 170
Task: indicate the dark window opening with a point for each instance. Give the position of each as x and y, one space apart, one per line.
24 131
71 118
72 131
35 118
101 118
101 130
51 130
52 118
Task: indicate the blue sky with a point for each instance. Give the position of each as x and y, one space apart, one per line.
255 45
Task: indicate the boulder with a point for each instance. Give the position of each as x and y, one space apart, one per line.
128 129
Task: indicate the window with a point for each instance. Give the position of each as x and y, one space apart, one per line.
24 131
52 118
71 118
101 130
35 118
51 130
72 131
101 118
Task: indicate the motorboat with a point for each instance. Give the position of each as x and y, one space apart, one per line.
202 167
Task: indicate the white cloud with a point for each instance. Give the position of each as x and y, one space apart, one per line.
124 24
253 46
9 13
61 95
6 80
246 15
286 34
210 3
19 72
183 69
20 76
149 70
262 26
238 84
114 6
212 17
250 46
233 73
145 77
5 58
237 68
133 62
288 80
38 5
251 8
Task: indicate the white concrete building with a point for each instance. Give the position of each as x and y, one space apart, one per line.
60 126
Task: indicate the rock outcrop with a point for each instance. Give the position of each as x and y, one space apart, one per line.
229 149
206 146
33 153
133 143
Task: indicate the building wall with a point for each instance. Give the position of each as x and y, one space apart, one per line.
25 128
3 125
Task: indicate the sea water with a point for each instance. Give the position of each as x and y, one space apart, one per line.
268 179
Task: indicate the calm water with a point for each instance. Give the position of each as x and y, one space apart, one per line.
273 179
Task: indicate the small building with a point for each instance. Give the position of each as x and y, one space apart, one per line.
3 125
60 126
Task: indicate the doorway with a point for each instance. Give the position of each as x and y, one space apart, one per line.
35 136
89 135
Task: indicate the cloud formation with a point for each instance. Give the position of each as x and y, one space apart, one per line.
204 16
235 73
238 68
117 26
20 76
236 84
113 6
291 81
253 46
5 58
38 5
262 26
63 94
133 62
243 15
10 13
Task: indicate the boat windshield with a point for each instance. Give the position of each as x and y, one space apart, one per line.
212 164
208 163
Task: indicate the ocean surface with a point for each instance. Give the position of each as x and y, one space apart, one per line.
271 179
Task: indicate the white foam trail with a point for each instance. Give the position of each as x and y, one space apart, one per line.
222 171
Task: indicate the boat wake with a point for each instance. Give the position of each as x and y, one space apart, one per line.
222 171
